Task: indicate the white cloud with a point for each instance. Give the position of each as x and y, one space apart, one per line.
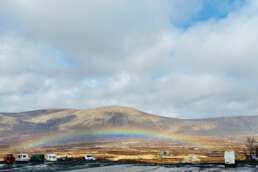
85 54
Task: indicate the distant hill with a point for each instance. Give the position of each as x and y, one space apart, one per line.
64 126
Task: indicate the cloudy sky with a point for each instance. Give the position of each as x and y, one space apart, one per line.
178 58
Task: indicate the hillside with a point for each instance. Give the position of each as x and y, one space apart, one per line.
65 126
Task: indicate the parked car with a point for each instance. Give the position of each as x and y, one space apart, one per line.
65 158
9 159
51 157
89 158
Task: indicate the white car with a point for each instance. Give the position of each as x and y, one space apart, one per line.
89 158
51 157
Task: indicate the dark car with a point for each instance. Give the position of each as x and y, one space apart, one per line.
9 159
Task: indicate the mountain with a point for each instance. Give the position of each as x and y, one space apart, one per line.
67 126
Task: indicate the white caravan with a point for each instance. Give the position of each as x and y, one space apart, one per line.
51 157
22 157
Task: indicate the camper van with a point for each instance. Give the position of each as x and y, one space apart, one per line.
51 157
22 157
37 158
229 159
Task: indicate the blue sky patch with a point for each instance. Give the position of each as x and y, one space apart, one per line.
211 9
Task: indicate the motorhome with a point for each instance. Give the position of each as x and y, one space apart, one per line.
51 157
22 157
229 159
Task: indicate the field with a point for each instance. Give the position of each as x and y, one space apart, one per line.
142 151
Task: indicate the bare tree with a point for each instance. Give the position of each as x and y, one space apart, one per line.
250 147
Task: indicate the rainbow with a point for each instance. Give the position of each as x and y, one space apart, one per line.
66 137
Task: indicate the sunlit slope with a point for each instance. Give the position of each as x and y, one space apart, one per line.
64 126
